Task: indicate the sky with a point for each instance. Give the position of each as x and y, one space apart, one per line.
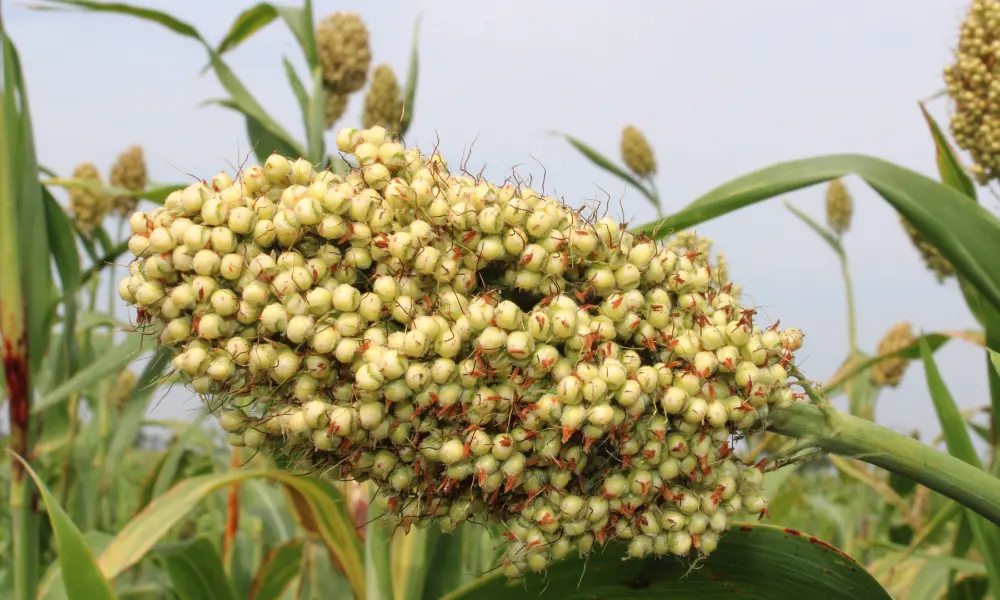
719 93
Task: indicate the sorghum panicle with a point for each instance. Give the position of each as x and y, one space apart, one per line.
336 104
637 154
839 207
973 86
344 51
476 351
129 172
384 101
932 257
89 207
122 389
889 372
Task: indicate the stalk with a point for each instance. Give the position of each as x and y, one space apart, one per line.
852 326
14 355
232 517
104 435
656 194
839 433
73 408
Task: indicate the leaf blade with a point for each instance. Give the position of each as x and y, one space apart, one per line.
195 570
410 93
959 443
966 233
82 578
761 561
598 159
109 362
246 24
277 571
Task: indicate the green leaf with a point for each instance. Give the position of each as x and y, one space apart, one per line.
952 173
912 352
956 436
316 119
602 162
51 586
244 102
81 577
158 194
108 363
32 228
753 561
456 559
966 233
318 578
175 25
240 96
263 142
317 505
63 244
277 571
378 571
246 24
130 422
300 22
823 232
103 262
410 94
195 570
298 88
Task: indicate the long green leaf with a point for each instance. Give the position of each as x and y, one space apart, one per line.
63 245
316 119
954 176
952 424
130 422
51 586
298 88
109 362
598 159
821 231
456 559
81 576
410 94
171 23
263 142
319 579
966 234
195 570
247 104
316 503
300 22
956 436
752 561
952 173
32 228
246 24
276 572
378 571
241 97
911 352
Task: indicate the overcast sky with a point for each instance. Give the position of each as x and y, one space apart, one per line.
719 89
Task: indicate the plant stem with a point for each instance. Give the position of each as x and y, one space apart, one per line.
852 325
72 408
656 194
847 435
